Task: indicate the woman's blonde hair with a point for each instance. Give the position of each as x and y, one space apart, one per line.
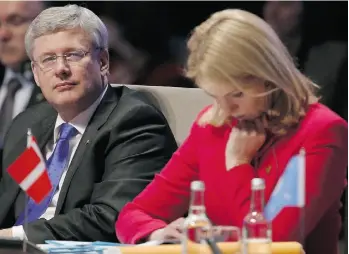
233 45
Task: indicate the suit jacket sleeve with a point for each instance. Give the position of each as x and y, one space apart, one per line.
138 148
166 198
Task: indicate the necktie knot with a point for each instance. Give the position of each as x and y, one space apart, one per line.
67 131
13 86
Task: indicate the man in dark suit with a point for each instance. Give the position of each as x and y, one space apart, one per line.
103 145
17 87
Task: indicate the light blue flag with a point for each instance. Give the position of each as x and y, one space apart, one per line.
290 189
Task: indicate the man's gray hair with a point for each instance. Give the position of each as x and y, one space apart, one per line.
71 16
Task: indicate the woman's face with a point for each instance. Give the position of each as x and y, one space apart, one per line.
246 105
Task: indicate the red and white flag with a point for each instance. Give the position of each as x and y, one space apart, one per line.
29 171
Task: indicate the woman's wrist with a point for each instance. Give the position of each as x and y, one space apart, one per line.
242 161
237 162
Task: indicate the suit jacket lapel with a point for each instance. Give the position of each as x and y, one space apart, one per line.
101 115
42 131
36 96
2 74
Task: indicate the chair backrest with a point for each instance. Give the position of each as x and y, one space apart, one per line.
179 105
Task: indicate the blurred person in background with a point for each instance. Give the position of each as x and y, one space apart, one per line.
324 61
265 111
141 66
17 87
150 34
126 61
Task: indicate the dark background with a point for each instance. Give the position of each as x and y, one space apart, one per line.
149 24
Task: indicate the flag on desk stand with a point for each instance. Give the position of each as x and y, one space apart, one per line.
289 190
30 173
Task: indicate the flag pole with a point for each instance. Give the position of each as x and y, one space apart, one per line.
26 200
25 224
301 192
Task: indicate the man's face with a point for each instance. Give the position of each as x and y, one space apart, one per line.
69 69
15 18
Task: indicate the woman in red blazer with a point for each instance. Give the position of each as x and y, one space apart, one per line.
265 111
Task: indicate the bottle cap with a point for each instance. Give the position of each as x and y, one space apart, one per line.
257 184
197 185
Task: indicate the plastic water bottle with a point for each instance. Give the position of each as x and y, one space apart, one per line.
256 230
197 226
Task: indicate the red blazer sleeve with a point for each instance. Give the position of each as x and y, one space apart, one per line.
165 199
326 162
